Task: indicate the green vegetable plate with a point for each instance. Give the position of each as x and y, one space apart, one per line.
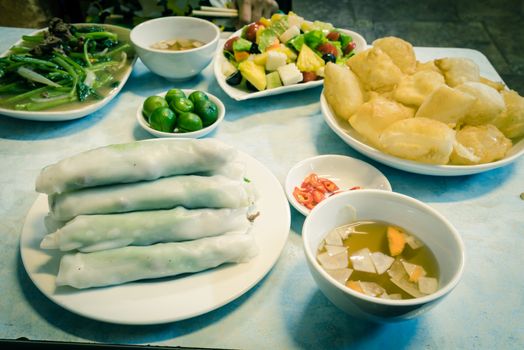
232 75
144 123
38 82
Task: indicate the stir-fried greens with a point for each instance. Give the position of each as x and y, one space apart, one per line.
63 64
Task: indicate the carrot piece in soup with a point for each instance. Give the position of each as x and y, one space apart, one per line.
416 274
355 286
396 241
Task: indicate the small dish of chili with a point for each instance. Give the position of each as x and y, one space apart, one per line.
314 179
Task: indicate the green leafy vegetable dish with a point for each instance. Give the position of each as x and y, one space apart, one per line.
65 71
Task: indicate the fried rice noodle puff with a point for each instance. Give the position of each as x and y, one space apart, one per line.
494 84
419 139
446 105
458 70
479 144
488 104
400 51
342 90
413 89
375 69
427 66
511 121
376 115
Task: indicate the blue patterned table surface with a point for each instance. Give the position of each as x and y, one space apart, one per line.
286 309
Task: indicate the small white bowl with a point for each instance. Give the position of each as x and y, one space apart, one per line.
175 65
183 135
416 217
345 172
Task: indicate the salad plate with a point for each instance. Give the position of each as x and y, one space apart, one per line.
167 299
346 172
77 110
242 94
350 136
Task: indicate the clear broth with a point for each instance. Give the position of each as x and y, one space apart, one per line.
177 44
375 239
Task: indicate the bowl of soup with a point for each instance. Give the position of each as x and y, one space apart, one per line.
380 255
176 47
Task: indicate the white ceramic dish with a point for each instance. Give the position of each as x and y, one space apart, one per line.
167 299
350 136
345 172
414 216
78 111
241 95
175 65
195 134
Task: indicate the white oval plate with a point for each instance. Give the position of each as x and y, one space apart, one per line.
350 136
240 95
345 172
195 134
78 111
167 299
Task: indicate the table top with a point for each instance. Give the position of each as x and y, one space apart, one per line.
285 309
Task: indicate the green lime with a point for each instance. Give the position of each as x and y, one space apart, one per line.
151 103
189 122
163 119
196 96
173 94
207 111
181 105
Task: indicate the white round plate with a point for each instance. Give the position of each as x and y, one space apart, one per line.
167 299
195 134
345 172
350 136
77 111
240 95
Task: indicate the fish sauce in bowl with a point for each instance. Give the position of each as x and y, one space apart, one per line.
379 259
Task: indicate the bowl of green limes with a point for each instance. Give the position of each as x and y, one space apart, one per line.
181 113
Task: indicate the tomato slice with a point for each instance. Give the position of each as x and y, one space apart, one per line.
228 46
309 76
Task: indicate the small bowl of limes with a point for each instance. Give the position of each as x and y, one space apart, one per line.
180 113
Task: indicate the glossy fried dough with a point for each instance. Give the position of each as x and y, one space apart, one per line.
485 144
420 139
343 92
436 112
400 51
511 121
375 69
376 115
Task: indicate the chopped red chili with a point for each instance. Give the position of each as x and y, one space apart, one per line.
315 189
329 185
302 196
